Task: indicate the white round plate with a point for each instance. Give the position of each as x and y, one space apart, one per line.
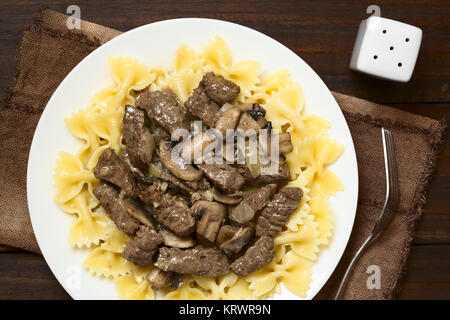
155 44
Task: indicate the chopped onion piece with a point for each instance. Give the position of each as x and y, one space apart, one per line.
208 195
155 170
226 107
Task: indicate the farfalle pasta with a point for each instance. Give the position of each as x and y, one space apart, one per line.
98 126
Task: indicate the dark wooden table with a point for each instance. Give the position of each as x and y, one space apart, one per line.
322 33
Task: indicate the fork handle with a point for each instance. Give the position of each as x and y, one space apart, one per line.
341 290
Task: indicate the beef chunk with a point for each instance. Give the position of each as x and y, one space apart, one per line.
171 210
252 202
282 176
117 208
258 199
137 137
212 216
174 213
223 176
277 212
201 185
152 194
147 238
245 171
110 167
200 105
165 109
256 257
139 257
239 239
219 89
143 247
202 261
107 195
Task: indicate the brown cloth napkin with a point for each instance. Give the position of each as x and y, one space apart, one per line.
49 50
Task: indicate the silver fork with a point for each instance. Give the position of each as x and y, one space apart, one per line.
389 209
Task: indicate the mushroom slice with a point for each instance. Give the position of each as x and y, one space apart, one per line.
284 142
159 278
139 213
247 122
226 233
212 217
245 107
226 198
237 242
228 120
170 239
178 280
177 166
258 113
192 150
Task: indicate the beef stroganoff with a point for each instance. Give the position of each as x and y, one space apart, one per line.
191 229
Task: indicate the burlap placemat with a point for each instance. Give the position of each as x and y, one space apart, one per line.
48 51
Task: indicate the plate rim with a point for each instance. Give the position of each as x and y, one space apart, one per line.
32 152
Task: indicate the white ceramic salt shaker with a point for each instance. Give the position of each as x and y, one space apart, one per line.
386 48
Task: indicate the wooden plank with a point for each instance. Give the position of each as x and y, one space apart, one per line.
438 200
427 275
322 34
429 264
27 276
425 291
433 229
436 111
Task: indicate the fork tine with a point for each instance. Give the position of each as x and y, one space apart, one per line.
391 167
386 150
394 168
391 163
